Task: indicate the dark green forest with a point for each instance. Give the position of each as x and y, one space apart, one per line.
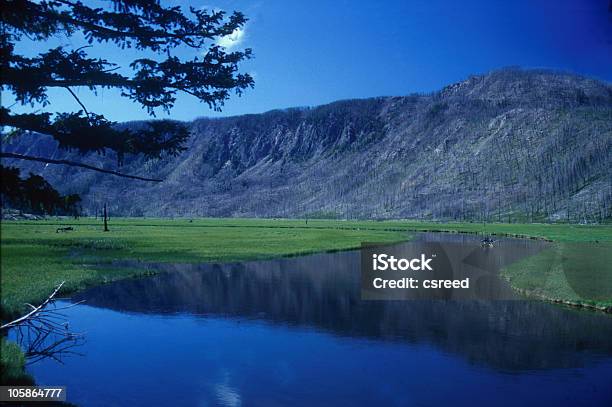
35 195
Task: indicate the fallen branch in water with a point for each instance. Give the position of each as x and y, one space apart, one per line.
44 332
34 311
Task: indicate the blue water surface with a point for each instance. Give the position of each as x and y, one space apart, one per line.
295 332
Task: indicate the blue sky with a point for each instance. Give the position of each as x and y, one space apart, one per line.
315 52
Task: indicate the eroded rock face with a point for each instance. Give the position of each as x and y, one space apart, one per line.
510 145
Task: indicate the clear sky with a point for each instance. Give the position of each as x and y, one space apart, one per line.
314 52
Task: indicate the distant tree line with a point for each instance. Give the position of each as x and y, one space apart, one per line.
35 195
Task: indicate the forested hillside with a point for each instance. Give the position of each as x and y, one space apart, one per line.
513 145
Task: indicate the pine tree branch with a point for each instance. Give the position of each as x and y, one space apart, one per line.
74 164
152 26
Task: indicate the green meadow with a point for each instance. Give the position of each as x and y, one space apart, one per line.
35 258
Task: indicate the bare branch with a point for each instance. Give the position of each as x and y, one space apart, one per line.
32 313
78 100
44 332
74 164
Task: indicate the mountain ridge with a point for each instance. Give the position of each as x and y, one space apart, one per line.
511 145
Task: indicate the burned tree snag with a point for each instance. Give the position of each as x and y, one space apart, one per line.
105 219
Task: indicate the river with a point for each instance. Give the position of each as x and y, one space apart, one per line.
294 331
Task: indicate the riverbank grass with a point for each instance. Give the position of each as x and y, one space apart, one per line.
12 366
572 273
36 258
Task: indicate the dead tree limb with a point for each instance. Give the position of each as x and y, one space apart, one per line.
44 331
34 311
74 164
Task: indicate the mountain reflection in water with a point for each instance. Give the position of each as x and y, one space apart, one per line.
323 291
294 331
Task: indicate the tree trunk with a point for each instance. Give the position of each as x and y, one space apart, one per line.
105 220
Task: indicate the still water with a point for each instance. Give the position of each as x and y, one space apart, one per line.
295 331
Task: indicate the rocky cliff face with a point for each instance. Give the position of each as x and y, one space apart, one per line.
511 145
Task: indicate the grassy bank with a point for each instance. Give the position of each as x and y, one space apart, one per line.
572 273
34 258
12 369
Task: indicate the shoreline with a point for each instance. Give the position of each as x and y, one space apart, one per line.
393 227
74 254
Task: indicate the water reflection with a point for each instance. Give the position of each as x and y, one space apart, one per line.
296 332
323 291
